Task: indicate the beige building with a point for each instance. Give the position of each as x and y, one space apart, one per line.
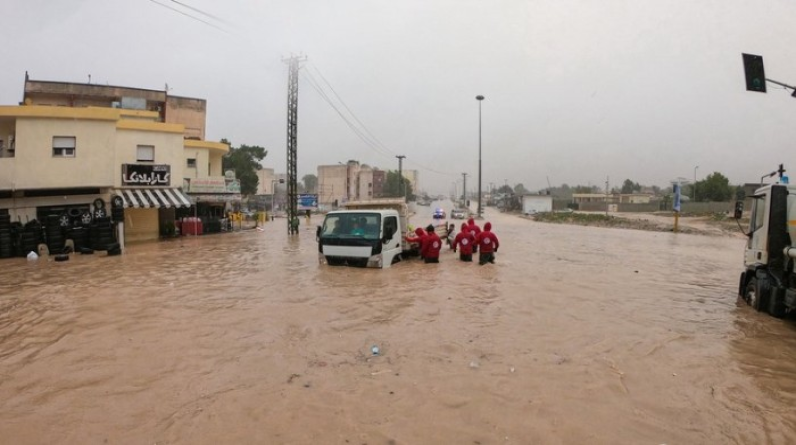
352 181
266 181
63 160
72 149
594 197
413 177
189 112
333 182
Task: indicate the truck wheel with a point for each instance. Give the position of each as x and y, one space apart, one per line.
776 305
757 293
750 293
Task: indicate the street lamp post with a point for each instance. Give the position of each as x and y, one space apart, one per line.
479 98
273 194
695 169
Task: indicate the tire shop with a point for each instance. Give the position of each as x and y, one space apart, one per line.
82 219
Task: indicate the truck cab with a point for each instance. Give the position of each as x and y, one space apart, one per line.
768 282
366 234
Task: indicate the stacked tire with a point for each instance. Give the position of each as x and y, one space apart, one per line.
101 233
30 237
16 237
79 236
6 247
117 209
54 234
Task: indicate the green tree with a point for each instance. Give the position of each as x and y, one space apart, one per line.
310 183
586 189
506 190
245 161
715 187
393 188
629 187
519 189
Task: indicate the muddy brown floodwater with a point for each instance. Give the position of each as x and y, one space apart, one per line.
576 335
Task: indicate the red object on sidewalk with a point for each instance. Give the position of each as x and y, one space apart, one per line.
191 226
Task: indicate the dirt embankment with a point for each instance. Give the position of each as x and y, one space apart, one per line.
705 224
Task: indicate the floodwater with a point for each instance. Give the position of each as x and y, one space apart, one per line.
576 335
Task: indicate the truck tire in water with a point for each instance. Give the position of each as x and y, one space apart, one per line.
776 304
757 291
750 292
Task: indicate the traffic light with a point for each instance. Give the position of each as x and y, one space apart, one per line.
755 75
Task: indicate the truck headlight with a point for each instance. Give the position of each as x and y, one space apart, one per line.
375 261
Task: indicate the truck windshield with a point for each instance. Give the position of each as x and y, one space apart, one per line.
352 225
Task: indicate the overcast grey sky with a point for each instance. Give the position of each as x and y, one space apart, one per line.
576 90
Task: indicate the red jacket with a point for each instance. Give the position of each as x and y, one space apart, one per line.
486 240
432 246
464 241
474 229
420 239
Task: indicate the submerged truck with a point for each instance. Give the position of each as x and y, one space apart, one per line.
365 234
768 282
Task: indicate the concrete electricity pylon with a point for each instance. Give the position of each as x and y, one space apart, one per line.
464 191
401 188
292 131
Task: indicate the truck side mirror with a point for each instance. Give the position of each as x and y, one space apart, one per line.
318 233
738 209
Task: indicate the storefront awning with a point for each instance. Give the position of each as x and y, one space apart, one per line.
153 198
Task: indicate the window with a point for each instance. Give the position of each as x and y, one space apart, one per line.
145 153
390 226
356 225
64 146
191 162
759 212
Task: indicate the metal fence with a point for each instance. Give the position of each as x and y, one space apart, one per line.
686 207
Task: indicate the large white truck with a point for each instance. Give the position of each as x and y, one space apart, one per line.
768 282
365 234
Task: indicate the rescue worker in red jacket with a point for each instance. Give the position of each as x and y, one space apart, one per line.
432 246
488 243
464 242
420 239
474 230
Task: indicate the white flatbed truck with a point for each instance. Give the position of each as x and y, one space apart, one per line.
365 234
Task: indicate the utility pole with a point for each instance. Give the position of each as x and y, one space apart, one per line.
401 188
464 190
292 132
479 98
607 205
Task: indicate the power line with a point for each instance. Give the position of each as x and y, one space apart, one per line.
190 16
206 14
350 125
349 110
361 130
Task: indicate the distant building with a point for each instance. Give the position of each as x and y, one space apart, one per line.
628 198
578 198
413 177
536 204
333 183
338 184
635 198
265 181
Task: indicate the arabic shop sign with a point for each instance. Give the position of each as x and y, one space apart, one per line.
307 201
136 174
208 185
214 184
